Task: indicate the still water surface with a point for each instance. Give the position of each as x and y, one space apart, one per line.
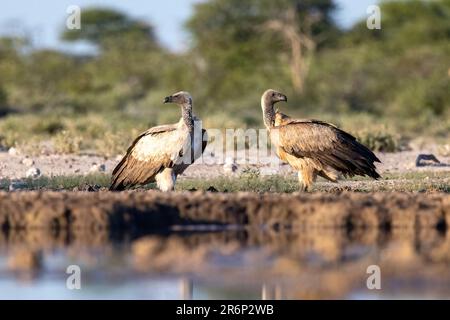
255 264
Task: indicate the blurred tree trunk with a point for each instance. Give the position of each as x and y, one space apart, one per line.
301 44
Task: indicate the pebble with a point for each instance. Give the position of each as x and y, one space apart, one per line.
97 168
33 173
230 166
13 151
28 162
423 160
17 185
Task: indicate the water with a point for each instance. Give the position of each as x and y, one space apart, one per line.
238 264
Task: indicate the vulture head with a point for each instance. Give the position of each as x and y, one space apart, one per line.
181 98
270 97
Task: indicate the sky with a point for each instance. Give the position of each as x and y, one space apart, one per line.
42 20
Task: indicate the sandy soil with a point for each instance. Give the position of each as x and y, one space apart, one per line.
16 166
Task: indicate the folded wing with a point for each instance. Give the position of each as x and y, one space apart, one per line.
151 152
327 144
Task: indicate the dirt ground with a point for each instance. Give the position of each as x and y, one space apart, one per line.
16 166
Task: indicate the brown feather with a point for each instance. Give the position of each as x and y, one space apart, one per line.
133 171
326 146
150 153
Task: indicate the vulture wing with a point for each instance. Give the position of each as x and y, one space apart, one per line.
151 152
327 144
200 146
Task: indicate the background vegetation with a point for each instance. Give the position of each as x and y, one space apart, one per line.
379 84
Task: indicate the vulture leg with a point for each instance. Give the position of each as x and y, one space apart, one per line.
165 180
306 176
302 183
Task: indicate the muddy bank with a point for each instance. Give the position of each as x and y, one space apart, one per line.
153 211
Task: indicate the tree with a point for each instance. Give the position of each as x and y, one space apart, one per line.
129 61
108 27
245 34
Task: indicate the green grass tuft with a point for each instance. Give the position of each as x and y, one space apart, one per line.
252 181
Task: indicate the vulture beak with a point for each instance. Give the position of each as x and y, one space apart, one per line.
283 98
167 99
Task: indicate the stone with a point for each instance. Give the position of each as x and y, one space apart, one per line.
33 173
230 166
97 168
28 162
13 151
423 160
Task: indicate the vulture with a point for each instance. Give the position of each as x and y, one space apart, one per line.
162 153
313 147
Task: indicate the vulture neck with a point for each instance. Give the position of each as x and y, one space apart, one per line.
186 115
268 113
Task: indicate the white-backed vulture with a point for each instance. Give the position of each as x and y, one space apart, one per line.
162 153
313 147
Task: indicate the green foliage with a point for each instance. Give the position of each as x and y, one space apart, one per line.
255 184
249 173
405 182
3 100
66 143
63 182
398 76
240 54
379 141
107 27
104 135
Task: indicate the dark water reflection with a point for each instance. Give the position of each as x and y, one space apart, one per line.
242 264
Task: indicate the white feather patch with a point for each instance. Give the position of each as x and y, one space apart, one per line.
161 145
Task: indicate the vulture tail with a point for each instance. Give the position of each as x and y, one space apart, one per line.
363 160
117 176
116 187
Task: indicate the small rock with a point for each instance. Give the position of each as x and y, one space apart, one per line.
230 166
87 188
17 185
97 168
33 173
426 160
119 157
212 189
13 151
28 162
91 188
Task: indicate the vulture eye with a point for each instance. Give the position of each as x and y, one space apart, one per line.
273 94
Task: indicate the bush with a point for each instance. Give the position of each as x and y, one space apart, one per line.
66 143
380 141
